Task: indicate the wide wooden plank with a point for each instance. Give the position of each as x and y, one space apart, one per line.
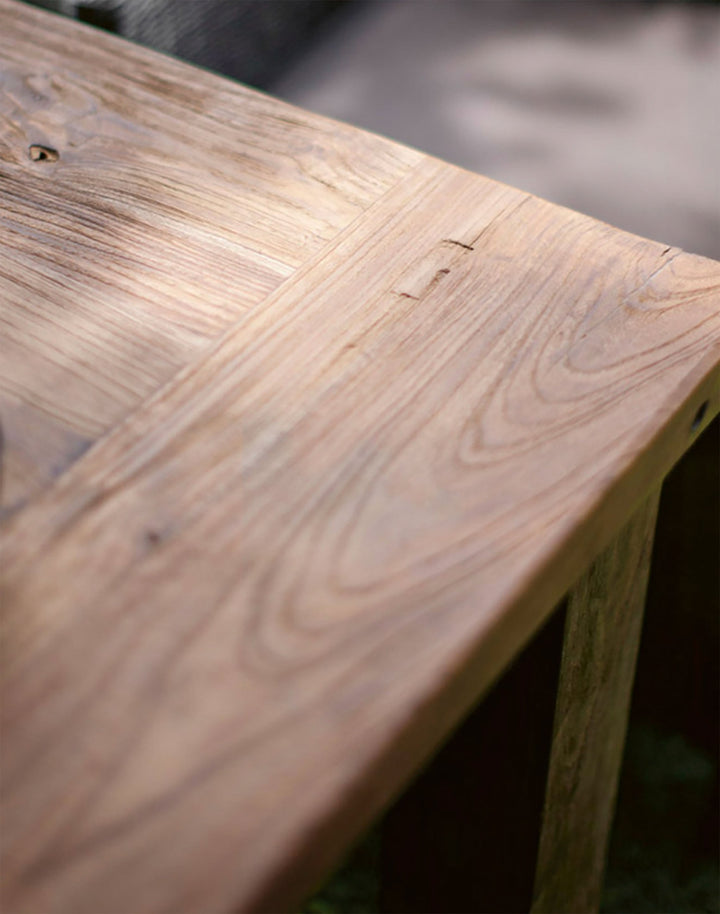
144 205
602 636
236 625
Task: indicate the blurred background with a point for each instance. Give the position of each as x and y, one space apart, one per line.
607 106
611 107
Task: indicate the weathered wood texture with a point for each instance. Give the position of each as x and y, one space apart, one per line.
149 156
235 626
602 635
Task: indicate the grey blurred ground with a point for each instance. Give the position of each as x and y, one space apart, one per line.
612 108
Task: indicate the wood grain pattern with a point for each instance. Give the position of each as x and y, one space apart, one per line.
236 626
171 201
602 636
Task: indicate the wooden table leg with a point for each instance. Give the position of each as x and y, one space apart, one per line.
602 634
468 835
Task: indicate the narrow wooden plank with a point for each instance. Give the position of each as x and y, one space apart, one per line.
236 626
171 202
602 635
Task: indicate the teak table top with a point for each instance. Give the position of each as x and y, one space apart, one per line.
305 435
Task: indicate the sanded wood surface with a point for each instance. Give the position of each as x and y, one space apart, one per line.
602 636
147 156
236 625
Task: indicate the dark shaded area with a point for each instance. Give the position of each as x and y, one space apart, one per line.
253 41
101 15
464 837
677 676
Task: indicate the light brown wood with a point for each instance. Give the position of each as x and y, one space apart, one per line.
146 156
602 635
238 623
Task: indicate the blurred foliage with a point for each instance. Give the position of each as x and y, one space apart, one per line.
661 859
354 888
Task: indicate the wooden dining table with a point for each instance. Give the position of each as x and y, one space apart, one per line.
305 435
